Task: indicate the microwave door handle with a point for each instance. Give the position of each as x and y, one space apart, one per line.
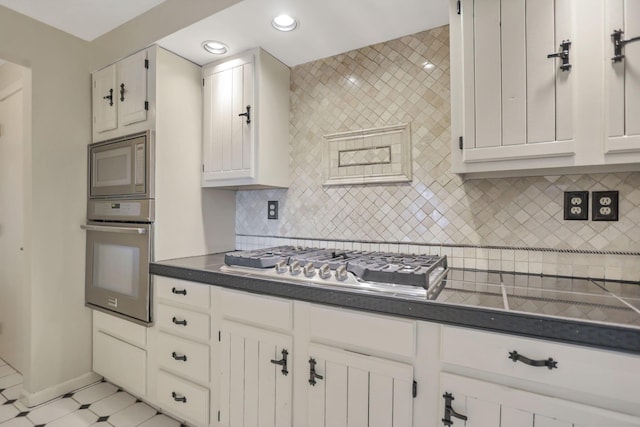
109 229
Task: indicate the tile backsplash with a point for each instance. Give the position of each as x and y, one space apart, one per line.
484 223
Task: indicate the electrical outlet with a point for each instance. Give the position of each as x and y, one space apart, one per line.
576 205
272 209
605 206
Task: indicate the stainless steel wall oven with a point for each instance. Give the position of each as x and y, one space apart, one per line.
120 216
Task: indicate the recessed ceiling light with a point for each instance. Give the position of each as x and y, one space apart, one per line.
217 48
284 23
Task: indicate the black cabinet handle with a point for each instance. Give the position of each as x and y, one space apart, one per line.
122 91
177 356
449 412
516 357
563 54
282 362
179 322
247 114
179 291
109 97
178 398
618 44
312 372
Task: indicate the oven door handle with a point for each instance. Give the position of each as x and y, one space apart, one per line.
110 229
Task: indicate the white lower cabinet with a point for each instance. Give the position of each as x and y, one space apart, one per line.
497 379
180 351
249 360
254 379
475 403
353 390
183 398
119 352
120 362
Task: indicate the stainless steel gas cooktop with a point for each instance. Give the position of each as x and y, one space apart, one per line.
416 276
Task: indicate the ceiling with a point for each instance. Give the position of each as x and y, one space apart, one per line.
86 19
326 27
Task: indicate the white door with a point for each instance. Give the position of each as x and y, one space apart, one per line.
105 99
254 390
622 76
228 135
486 404
131 89
518 103
357 390
12 298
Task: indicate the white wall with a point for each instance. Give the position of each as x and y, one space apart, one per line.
14 85
58 326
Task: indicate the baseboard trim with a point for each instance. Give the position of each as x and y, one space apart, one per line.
34 399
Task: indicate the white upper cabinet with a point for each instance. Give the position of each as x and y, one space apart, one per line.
527 86
246 122
120 97
105 107
132 88
622 78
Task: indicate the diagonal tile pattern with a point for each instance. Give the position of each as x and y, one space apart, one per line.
100 405
407 80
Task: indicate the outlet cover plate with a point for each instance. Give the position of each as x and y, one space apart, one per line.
576 205
272 209
605 206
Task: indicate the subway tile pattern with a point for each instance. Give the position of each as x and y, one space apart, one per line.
99 405
388 83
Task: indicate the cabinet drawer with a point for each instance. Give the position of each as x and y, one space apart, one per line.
121 363
598 372
120 328
182 292
183 322
362 331
183 398
187 358
256 309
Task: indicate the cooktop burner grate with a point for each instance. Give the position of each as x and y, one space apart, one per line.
378 267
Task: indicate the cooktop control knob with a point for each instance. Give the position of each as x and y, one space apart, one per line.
281 266
309 270
341 273
295 268
324 272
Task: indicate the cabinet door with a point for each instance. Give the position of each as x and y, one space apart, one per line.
622 103
517 103
253 389
132 89
228 137
357 390
490 405
105 99
120 362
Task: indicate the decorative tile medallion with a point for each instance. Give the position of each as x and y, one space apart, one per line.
368 156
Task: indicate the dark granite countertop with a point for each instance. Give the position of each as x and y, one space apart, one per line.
595 313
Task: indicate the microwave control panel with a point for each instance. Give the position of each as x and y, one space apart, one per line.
111 209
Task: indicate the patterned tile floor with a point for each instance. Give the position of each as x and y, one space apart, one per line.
101 404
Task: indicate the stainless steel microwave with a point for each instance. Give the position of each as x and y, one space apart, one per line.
122 168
